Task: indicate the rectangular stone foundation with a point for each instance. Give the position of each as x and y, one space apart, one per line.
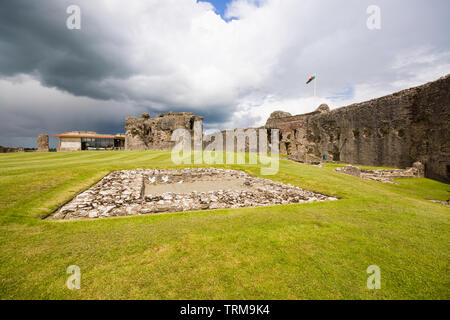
136 192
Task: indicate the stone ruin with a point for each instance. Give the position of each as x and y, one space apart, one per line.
444 203
410 126
392 131
138 192
42 142
148 133
11 149
384 175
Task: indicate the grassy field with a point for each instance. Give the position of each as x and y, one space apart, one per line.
302 251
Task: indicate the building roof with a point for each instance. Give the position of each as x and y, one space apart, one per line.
75 135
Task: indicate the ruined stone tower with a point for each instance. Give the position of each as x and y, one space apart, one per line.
148 133
42 142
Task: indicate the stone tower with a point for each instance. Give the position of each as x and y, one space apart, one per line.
148 133
42 142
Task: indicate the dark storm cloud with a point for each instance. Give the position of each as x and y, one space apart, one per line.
32 109
34 40
177 55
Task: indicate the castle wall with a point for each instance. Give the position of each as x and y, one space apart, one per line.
242 140
155 133
392 131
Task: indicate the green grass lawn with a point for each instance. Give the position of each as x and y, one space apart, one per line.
301 251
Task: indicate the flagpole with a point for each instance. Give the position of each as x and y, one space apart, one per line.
315 80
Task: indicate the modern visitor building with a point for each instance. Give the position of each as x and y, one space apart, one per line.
89 140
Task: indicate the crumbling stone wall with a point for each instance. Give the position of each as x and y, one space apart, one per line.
393 131
148 133
10 149
42 142
249 136
292 135
384 175
137 192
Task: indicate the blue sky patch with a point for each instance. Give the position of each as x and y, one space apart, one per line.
347 93
220 5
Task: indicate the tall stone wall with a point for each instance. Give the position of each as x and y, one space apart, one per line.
293 132
242 140
148 133
394 131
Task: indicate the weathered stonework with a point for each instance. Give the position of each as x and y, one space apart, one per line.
444 203
393 131
239 140
148 133
137 192
10 149
384 175
42 142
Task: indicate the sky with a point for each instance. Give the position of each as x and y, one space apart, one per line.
233 62
220 6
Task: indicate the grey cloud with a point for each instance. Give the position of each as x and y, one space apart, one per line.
121 76
342 51
35 40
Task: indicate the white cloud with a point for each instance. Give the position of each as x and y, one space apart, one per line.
180 55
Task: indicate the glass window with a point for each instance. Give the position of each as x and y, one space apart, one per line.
98 143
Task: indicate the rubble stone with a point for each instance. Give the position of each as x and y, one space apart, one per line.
148 133
384 175
42 142
351 170
391 131
137 192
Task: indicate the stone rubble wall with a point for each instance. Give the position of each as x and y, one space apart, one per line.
10 149
238 135
121 193
111 196
148 133
384 175
392 131
444 203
